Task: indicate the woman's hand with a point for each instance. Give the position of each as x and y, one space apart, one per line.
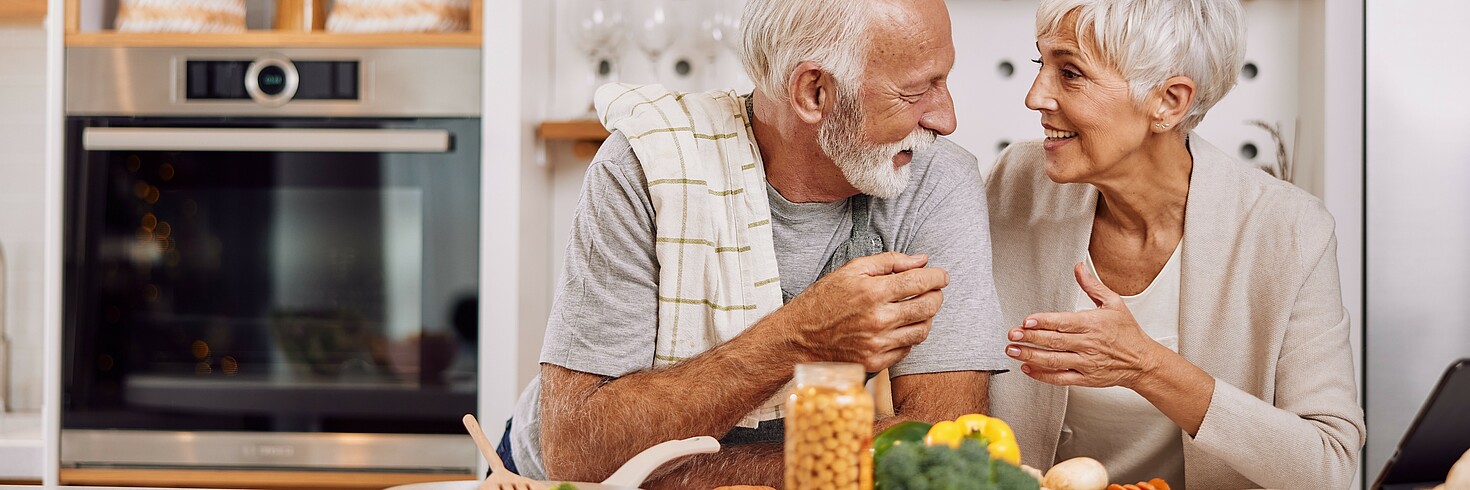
1093 348
1106 347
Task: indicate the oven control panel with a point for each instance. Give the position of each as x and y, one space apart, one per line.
271 81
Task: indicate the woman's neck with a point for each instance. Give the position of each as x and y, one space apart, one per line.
1146 198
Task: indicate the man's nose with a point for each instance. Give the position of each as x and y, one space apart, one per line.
1039 97
940 117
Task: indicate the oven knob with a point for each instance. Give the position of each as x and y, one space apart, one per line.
271 81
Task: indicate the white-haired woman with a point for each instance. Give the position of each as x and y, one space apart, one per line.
1177 313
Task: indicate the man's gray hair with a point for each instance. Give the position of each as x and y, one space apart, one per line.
781 34
1149 41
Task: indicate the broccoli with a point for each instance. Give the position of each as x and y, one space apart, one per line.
564 486
916 467
1009 477
900 464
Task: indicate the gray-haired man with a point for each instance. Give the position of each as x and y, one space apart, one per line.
848 179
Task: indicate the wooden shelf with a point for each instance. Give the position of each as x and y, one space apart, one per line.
75 36
319 480
22 11
582 129
586 135
273 39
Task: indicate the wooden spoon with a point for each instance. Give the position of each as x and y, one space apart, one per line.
500 478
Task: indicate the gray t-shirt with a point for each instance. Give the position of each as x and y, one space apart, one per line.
597 327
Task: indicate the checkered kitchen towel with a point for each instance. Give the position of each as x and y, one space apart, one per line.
717 260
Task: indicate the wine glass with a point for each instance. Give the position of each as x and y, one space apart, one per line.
599 34
709 35
730 15
654 30
733 36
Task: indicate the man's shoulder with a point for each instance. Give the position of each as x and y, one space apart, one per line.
950 159
615 150
943 167
616 163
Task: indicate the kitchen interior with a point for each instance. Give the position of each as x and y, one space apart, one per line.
305 279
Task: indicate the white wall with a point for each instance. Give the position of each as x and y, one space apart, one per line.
514 283
22 181
1418 208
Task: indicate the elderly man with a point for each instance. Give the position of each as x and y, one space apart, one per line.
723 239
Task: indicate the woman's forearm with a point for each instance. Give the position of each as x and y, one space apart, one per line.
1179 389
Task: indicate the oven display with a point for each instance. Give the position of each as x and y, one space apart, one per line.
214 80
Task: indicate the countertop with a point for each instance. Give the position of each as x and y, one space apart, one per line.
55 487
20 446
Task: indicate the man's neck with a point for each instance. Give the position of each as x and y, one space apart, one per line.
795 164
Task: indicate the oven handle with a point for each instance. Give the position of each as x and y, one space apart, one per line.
266 139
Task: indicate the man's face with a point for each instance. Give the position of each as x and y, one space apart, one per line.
903 103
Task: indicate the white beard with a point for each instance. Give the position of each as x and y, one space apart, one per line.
869 168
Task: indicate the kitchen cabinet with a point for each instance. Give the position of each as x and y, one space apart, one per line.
22 11
272 39
95 34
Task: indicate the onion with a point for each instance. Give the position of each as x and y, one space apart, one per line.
1076 474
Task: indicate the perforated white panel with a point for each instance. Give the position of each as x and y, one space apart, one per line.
994 44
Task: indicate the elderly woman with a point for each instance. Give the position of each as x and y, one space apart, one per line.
1177 313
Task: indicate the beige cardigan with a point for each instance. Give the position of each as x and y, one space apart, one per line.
1260 310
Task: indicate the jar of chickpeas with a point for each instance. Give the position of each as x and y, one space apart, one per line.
829 429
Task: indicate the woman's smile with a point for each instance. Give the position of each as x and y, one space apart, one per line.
1056 138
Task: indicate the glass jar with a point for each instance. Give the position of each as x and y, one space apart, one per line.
829 429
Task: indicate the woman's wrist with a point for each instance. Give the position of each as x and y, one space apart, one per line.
1152 368
1178 388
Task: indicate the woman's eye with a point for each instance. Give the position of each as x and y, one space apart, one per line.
1070 75
1037 61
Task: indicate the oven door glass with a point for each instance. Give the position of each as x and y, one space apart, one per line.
279 275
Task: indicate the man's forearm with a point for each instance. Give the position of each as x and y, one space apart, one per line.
591 426
745 464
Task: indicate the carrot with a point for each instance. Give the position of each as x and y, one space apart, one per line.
1115 486
1159 484
1146 486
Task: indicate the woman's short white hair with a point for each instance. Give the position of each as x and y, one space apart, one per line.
781 34
1149 41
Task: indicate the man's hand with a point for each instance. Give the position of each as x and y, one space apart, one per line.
870 311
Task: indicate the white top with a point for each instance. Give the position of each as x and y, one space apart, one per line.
1113 425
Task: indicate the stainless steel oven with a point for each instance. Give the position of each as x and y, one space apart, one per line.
271 258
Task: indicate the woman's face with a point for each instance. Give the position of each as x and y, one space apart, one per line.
1091 122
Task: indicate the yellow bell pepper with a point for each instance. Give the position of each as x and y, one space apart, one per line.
997 433
945 433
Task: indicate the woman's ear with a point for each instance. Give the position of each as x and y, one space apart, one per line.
812 92
1175 98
